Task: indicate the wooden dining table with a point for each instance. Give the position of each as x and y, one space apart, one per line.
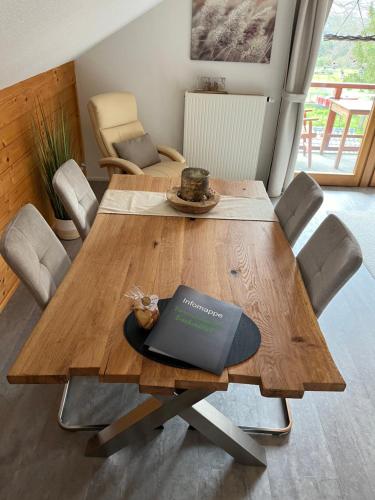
248 263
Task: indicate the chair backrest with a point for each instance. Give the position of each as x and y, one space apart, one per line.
33 251
327 261
75 193
298 204
114 118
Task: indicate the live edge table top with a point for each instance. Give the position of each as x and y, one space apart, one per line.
249 263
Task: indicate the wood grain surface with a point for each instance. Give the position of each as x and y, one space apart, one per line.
249 263
20 181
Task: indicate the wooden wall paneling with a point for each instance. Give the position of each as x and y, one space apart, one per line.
11 129
20 180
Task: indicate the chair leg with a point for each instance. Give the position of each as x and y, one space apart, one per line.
282 431
79 427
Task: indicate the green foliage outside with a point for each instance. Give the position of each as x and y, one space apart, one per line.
364 52
345 61
348 61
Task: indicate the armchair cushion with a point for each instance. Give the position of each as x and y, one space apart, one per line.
109 136
112 109
139 150
165 169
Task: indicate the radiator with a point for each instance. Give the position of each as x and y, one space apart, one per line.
222 133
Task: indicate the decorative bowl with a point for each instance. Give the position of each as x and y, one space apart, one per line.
192 207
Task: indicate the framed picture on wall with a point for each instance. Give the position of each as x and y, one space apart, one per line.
233 30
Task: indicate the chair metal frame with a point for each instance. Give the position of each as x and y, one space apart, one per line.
271 431
274 431
78 427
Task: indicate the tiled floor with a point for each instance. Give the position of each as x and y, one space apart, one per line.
325 163
330 453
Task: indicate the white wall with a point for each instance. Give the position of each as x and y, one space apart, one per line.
37 35
151 58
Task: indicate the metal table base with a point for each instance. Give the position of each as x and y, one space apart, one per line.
141 423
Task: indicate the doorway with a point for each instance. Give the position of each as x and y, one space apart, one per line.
337 140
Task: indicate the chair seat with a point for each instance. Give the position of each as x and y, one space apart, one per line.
165 169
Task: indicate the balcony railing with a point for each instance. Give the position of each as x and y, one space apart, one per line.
326 100
337 93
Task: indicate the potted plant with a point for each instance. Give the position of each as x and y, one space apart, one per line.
53 148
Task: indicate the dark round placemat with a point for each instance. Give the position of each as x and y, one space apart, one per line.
246 341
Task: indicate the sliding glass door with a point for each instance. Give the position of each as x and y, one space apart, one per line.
339 119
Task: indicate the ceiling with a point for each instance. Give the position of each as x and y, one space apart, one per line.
37 35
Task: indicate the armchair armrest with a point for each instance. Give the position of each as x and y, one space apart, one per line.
171 153
126 166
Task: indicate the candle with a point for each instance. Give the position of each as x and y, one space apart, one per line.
194 184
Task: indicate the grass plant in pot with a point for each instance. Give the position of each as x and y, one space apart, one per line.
53 148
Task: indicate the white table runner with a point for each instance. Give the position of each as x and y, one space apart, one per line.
117 201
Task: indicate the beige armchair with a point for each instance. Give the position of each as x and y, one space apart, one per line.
114 118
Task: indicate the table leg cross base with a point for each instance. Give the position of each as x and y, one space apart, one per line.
140 424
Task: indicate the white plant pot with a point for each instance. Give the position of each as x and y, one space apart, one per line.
65 229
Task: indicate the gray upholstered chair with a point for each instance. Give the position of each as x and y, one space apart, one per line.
75 193
298 204
328 260
34 253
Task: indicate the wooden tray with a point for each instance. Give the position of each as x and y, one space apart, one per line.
191 207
